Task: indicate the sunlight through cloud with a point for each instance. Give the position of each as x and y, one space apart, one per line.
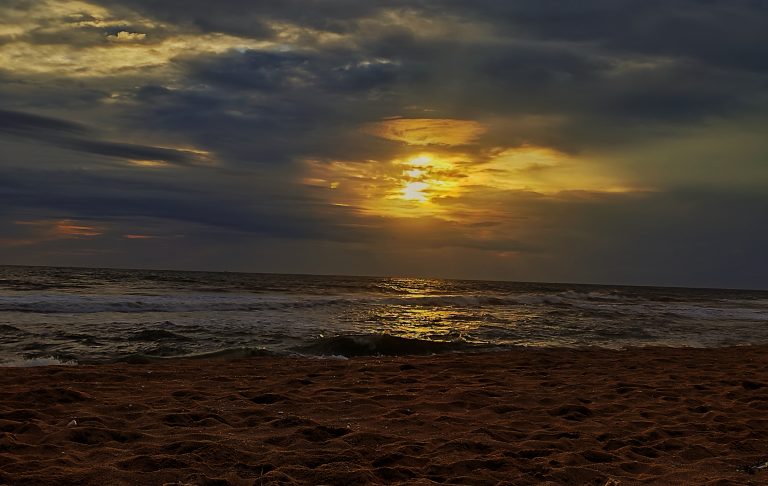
427 131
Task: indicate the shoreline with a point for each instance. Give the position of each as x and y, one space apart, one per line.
528 416
433 349
441 349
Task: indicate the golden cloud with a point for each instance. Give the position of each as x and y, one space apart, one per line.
125 36
463 187
427 131
64 228
43 230
108 55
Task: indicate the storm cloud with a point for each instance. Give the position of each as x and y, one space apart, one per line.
612 141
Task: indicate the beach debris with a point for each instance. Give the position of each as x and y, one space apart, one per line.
72 423
754 468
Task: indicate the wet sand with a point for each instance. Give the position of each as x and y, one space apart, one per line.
642 416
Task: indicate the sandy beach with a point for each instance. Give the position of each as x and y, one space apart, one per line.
549 416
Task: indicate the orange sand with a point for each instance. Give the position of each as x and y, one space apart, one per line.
643 416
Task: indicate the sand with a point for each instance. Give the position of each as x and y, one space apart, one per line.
643 416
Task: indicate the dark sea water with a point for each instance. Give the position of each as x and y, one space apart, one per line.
77 315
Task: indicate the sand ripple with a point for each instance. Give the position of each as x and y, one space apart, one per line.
643 416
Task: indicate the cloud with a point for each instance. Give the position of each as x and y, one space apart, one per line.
427 131
729 34
272 71
64 228
27 124
35 232
79 39
140 153
125 36
244 18
72 136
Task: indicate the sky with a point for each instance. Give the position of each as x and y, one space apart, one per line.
598 141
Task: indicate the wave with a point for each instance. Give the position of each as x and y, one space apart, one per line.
381 344
157 335
86 304
595 303
34 362
229 353
90 304
720 313
342 346
7 329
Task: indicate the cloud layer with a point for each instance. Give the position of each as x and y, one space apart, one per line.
598 141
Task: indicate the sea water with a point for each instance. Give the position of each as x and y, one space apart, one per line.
77 315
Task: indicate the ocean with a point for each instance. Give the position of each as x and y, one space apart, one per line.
81 315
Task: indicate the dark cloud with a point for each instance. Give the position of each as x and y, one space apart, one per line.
27 124
726 33
254 70
261 108
252 19
72 136
542 58
83 195
131 151
344 72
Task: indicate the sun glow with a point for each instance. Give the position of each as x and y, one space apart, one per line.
414 191
424 178
415 173
420 161
427 131
455 185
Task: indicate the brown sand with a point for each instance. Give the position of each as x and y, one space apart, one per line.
645 416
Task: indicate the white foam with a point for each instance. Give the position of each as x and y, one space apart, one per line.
29 363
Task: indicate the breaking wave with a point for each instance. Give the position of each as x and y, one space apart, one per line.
381 344
229 353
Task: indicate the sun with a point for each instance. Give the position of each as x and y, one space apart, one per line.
453 185
420 161
415 178
424 179
414 191
410 186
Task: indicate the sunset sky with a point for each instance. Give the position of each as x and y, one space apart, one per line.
601 141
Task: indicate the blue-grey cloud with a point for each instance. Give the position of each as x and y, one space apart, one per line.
27 124
78 137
